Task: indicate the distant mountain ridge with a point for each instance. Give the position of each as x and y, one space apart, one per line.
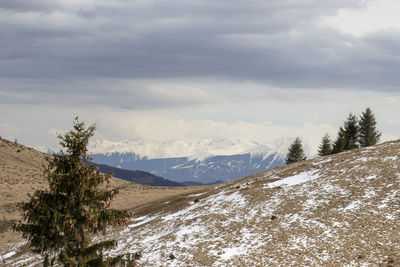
183 169
139 177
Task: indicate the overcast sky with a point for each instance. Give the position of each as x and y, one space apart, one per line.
164 69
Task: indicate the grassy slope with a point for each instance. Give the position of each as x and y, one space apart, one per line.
21 173
344 210
347 213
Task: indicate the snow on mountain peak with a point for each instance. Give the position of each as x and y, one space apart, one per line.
191 148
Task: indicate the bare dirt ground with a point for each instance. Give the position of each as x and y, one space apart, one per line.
21 173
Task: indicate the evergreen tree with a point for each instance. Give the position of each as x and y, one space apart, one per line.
59 223
367 127
325 148
296 152
340 142
351 130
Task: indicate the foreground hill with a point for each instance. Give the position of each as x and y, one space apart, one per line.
340 210
21 172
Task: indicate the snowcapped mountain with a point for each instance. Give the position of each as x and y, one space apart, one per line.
204 161
183 169
198 149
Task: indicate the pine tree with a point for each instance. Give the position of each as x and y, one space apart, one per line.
367 127
325 147
59 223
351 130
296 152
340 142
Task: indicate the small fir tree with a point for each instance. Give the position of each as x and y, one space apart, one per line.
368 135
325 148
59 223
296 152
351 130
340 142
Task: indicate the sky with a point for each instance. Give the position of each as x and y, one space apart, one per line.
181 69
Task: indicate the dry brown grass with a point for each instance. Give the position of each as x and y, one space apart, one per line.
21 173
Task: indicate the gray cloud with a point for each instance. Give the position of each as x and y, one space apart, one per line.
121 94
274 42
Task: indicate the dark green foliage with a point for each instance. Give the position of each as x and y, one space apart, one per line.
196 200
273 217
357 133
351 130
59 223
296 152
367 127
171 256
340 142
325 148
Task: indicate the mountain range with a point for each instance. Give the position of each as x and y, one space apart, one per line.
199 161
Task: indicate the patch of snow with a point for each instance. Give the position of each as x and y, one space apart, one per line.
390 158
390 217
321 162
139 218
310 203
330 188
24 261
353 206
232 252
371 177
234 200
365 159
369 193
390 197
188 229
357 168
183 212
8 255
143 220
196 195
296 179
382 206
298 242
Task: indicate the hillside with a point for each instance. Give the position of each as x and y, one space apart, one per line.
139 177
21 173
338 210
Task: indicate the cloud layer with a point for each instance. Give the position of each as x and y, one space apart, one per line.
277 43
